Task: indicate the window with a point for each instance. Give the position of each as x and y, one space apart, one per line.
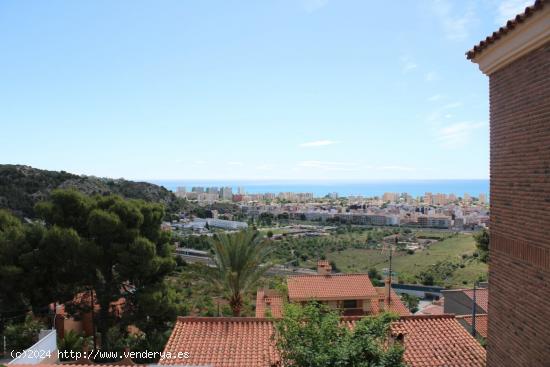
350 303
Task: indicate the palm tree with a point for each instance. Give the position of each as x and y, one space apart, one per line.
240 260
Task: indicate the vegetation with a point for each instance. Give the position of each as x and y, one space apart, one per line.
313 336
451 262
20 336
411 302
240 260
21 187
482 243
73 341
104 246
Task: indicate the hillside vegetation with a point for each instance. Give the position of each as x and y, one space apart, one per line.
21 187
451 262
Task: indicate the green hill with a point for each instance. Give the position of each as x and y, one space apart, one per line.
21 187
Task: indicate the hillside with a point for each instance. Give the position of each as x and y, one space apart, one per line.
21 187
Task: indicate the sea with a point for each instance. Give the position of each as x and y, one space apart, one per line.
343 188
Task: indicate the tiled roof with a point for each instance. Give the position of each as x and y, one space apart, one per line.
481 323
510 25
396 305
222 342
438 341
269 300
430 341
330 287
482 297
432 309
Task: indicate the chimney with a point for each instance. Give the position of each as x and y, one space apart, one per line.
323 267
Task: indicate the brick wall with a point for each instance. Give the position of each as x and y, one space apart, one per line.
519 271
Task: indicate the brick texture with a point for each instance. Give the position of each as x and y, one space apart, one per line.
519 269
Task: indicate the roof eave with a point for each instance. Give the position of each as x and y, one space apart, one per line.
527 32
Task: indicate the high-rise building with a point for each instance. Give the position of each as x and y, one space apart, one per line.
226 193
197 189
390 196
181 192
241 190
517 60
213 190
482 199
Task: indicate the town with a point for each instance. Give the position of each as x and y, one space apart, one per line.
304 183
390 209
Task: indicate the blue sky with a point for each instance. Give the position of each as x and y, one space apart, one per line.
281 89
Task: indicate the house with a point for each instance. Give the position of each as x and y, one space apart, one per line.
516 58
461 301
352 294
481 324
436 308
429 341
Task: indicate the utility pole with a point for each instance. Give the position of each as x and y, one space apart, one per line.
474 311
93 313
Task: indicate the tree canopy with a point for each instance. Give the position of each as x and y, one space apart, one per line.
313 336
240 260
107 245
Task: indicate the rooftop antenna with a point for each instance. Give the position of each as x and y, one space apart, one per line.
389 247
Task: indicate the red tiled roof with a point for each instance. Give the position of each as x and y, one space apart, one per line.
510 25
482 297
432 309
330 287
396 305
430 341
222 342
481 323
269 300
438 341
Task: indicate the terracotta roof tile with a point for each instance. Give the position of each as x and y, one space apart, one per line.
432 309
330 287
438 341
482 297
396 305
510 25
430 341
481 323
222 342
269 300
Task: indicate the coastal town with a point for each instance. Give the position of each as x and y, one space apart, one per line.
101 271
432 210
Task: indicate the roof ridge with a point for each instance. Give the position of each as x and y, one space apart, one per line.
509 26
326 275
223 319
423 317
465 316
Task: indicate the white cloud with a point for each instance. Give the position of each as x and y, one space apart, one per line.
311 6
454 25
508 9
435 97
407 64
439 113
457 135
318 143
264 167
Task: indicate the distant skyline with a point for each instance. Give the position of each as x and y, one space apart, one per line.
247 90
